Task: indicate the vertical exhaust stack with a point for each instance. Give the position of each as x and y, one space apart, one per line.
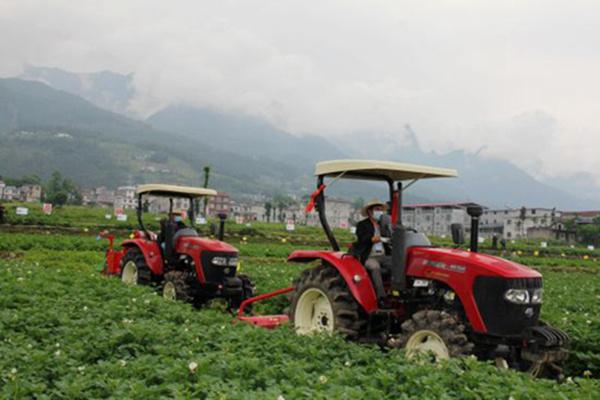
474 212
222 218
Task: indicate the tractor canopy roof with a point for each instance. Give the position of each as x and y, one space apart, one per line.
159 189
380 170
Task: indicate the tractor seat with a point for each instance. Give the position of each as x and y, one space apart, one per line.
184 232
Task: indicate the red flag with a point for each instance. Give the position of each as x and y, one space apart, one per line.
313 198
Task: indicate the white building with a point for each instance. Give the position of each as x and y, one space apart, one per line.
250 211
30 193
338 212
125 197
104 196
10 193
161 204
436 218
514 223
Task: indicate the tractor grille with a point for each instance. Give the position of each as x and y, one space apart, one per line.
501 317
216 273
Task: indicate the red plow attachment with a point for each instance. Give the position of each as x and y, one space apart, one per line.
264 321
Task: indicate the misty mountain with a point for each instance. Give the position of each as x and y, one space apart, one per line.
489 181
43 129
255 144
582 183
104 89
245 135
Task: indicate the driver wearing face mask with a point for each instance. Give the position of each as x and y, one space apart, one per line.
368 247
178 219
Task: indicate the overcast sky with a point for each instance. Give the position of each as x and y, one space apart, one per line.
521 78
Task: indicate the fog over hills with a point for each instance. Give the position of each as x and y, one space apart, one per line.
247 154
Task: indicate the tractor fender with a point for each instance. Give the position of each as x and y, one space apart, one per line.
354 273
151 252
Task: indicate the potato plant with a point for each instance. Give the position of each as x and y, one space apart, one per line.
68 332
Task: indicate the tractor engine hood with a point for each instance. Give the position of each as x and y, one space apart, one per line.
199 243
481 281
466 262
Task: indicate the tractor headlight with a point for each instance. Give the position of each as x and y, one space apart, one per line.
517 296
219 261
233 262
536 297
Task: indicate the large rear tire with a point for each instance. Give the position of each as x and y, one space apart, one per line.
134 270
433 332
322 302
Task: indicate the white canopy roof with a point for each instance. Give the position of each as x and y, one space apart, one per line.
159 189
372 169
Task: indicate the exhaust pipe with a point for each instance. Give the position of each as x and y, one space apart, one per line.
222 218
474 212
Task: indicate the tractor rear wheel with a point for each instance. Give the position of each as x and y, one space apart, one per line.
176 287
435 332
322 302
134 270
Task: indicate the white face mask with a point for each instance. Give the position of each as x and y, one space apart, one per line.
377 214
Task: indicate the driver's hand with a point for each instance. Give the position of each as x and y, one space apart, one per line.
376 238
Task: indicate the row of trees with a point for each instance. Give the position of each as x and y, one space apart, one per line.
276 208
586 233
60 191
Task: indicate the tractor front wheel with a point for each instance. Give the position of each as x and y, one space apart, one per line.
134 270
322 302
247 291
433 332
176 287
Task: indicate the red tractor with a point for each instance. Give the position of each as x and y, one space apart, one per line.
442 301
183 264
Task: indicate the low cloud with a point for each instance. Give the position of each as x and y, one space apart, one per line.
517 78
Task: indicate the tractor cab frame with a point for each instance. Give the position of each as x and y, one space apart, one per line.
169 229
399 177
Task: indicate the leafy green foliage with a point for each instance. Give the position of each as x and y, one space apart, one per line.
125 342
68 332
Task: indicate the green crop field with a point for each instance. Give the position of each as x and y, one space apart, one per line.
67 332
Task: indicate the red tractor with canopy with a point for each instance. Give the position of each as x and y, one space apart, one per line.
443 301
182 263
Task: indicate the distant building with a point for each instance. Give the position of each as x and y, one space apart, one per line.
104 196
161 204
516 222
88 196
125 197
30 193
2 186
219 204
10 193
250 211
436 218
338 212
580 217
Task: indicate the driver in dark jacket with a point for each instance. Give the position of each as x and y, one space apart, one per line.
369 248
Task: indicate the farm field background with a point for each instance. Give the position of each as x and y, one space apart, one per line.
68 332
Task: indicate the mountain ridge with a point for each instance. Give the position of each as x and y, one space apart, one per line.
284 162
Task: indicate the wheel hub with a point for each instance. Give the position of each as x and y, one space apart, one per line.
129 276
169 291
426 341
313 313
